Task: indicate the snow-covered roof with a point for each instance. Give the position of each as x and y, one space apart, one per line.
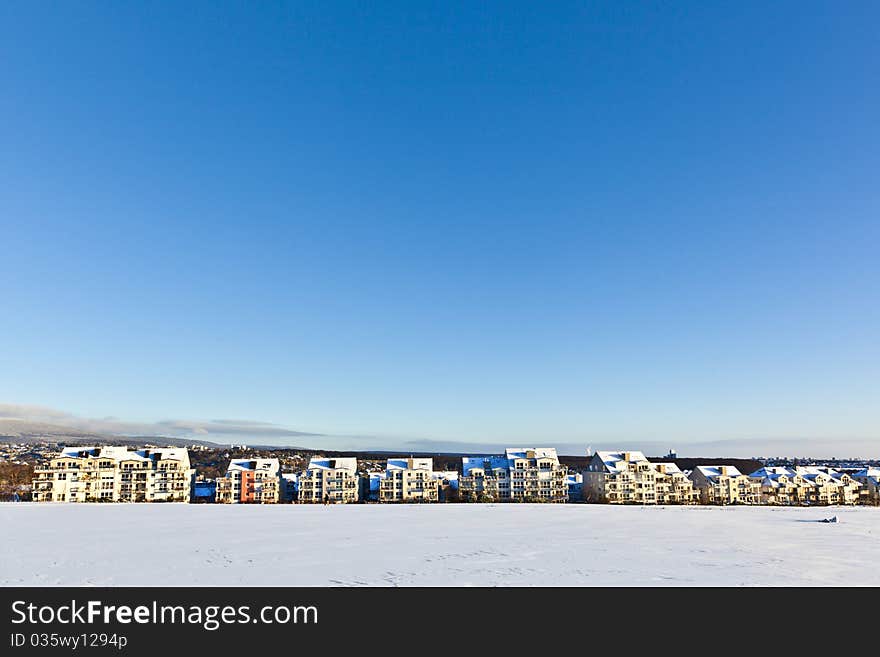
123 453
868 473
812 469
574 479
505 461
345 463
445 474
469 463
531 453
410 464
616 461
448 476
667 468
773 472
715 471
261 465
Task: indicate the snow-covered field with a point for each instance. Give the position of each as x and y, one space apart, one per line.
440 544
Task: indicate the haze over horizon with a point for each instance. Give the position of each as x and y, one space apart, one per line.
29 419
383 227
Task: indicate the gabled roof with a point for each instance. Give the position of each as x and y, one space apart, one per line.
255 465
348 463
469 463
772 471
868 473
531 453
667 468
714 471
616 461
409 464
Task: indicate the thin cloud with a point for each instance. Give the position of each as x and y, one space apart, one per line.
24 414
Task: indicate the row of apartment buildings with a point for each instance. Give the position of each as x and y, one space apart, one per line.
630 478
120 474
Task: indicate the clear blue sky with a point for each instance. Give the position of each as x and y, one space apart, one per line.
514 223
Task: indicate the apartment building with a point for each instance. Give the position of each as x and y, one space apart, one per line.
447 484
521 474
115 474
826 485
724 484
869 478
409 480
330 480
251 481
779 486
672 486
620 478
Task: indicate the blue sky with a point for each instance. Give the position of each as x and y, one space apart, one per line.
411 224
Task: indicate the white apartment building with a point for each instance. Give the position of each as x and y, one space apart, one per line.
724 484
807 485
828 486
672 486
409 480
779 485
115 474
252 481
521 474
620 478
329 480
630 478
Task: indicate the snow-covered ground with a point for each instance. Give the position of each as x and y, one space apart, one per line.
440 544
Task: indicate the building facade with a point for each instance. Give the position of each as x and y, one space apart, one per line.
725 484
672 486
251 481
869 479
807 486
619 478
330 480
115 474
630 478
779 486
825 485
521 474
447 483
409 480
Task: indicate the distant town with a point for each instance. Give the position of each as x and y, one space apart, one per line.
56 472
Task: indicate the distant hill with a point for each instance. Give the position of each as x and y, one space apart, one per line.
38 432
31 432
